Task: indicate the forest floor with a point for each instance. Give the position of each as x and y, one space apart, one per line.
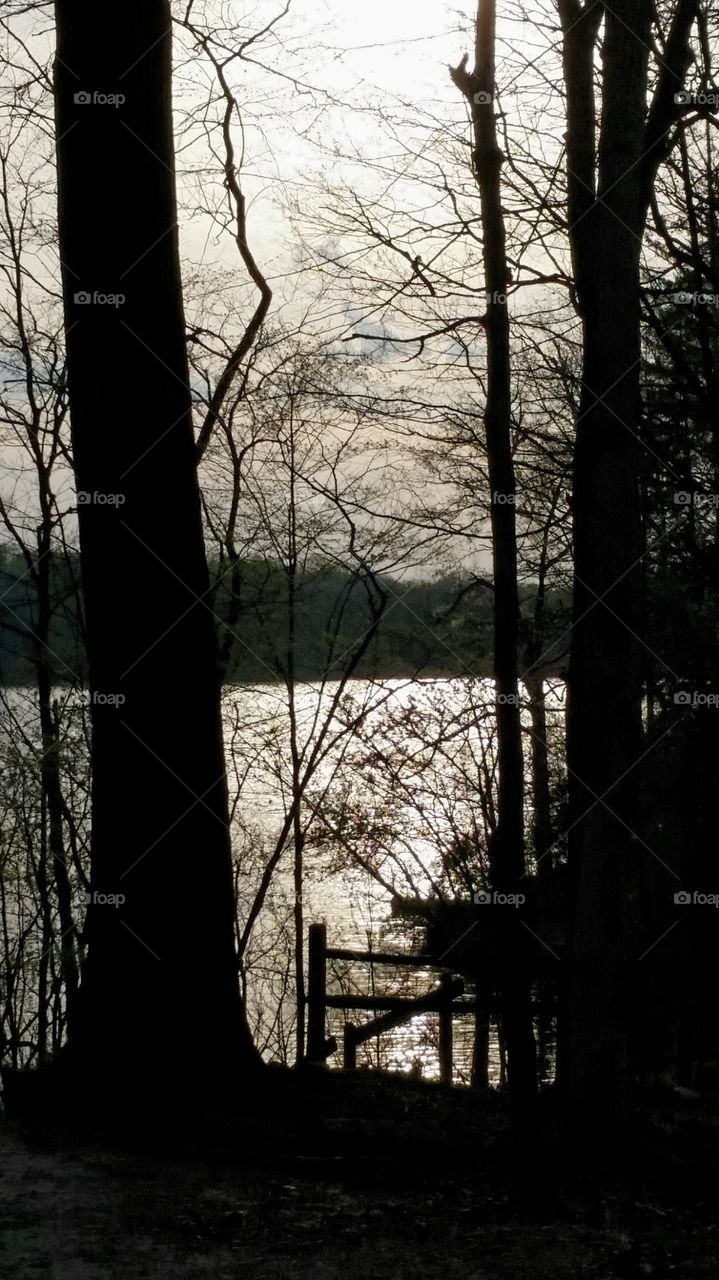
399 1180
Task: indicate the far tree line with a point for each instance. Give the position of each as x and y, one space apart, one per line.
443 626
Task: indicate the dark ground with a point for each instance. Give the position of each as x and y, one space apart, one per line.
400 1180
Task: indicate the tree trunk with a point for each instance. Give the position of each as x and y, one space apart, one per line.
50 777
604 710
159 1009
543 835
507 848
482 1032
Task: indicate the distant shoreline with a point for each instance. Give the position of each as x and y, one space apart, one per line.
555 672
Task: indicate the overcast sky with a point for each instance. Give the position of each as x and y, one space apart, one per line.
374 54
391 41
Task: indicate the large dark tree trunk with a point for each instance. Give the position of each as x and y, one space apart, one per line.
507 851
604 720
159 1007
607 208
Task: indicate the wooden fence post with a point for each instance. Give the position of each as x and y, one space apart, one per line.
445 1031
349 1048
316 992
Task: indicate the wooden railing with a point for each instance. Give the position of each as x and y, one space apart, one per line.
392 1011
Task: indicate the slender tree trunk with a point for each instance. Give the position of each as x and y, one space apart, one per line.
542 828
12 966
482 1032
43 994
290 675
507 850
50 778
159 1010
541 797
299 920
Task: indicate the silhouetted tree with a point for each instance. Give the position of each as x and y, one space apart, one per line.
507 846
159 1009
610 173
